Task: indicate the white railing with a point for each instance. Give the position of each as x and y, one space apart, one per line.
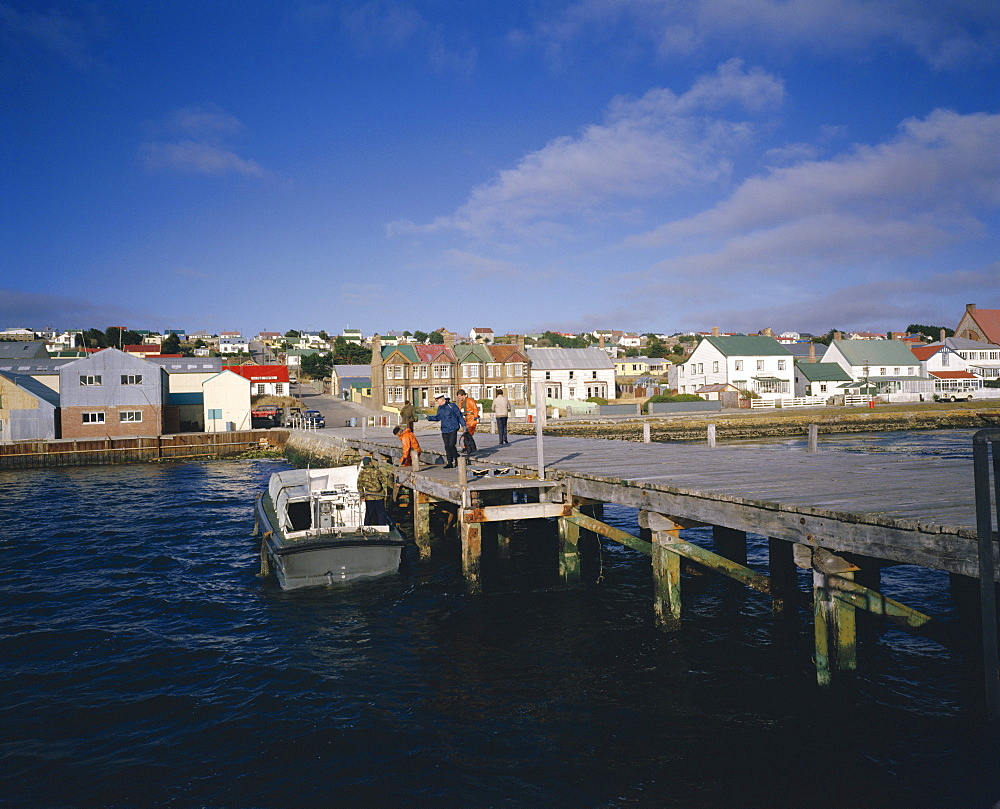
804 401
855 400
756 403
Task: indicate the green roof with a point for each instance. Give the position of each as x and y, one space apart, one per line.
875 352
823 371
472 353
754 346
407 351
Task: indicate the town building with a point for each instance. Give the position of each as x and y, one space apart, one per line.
233 343
111 394
982 325
572 374
880 367
265 380
819 378
757 364
226 402
29 411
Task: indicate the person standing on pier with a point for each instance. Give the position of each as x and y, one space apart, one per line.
408 415
371 487
501 410
452 423
409 442
470 412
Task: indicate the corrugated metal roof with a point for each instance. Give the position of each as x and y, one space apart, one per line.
564 359
34 387
823 371
875 352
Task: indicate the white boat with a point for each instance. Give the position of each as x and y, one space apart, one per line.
314 532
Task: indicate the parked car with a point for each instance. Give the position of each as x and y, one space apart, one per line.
313 418
266 413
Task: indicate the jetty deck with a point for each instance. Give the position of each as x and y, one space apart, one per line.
899 508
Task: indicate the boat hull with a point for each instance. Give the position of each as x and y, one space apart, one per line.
326 560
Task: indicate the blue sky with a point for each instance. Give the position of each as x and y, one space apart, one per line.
649 165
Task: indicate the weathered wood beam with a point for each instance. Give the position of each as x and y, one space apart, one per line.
517 511
422 506
569 551
472 555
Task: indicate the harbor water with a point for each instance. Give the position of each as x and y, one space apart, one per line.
144 663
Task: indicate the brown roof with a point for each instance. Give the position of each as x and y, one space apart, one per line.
953 375
506 353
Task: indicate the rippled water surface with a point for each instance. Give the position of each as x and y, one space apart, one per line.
145 664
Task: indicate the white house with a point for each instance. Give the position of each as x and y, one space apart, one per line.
233 343
948 368
982 359
819 378
486 335
226 399
755 363
574 374
882 367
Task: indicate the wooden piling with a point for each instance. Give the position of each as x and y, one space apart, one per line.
666 580
422 504
782 572
472 553
730 543
835 628
569 552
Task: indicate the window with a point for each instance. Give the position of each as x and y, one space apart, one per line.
515 369
131 379
781 365
822 387
130 416
572 393
715 367
470 370
442 372
420 371
548 374
594 375
279 389
261 389
93 418
881 371
945 359
895 371
493 370
701 367
215 414
571 374
393 371
738 365
395 394
90 380
760 365
680 370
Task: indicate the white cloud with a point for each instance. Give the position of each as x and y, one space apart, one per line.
945 33
203 149
192 157
925 188
68 37
652 146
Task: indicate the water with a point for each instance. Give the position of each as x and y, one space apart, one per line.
143 663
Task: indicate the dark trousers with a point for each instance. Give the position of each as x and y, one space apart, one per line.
450 446
375 512
502 428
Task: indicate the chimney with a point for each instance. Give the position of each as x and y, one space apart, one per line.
768 332
970 308
812 352
838 336
600 341
715 331
449 339
941 336
520 342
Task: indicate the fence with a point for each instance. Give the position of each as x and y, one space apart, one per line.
984 444
803 401
856 400
762 403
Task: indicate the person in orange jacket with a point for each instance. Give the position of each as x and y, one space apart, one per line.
409 442
470 410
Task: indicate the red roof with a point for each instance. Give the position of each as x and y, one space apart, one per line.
261 373
143 349
989 321
924 353
434 353
506 353
953 375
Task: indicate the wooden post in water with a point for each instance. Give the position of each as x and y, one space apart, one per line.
645 433
836 628
422 522
569 552
711 435
730 543
782 572
666 573
472 553
813 437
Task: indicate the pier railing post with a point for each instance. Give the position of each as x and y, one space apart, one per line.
539 421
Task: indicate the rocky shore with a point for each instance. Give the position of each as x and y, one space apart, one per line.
777 423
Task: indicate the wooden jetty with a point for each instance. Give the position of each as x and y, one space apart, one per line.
842 515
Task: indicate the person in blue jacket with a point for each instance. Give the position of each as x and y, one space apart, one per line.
452 423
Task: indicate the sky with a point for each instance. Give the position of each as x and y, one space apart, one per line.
647 165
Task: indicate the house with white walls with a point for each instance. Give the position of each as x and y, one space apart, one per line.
755 363
886 368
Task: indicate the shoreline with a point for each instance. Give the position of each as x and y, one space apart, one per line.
776 424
